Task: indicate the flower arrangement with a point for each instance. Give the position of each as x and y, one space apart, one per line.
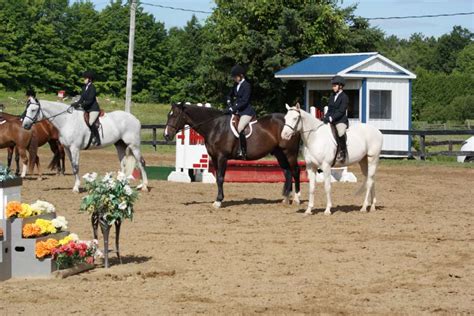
111 197
45 248
5 174
1 234
42 227
74 252
16 209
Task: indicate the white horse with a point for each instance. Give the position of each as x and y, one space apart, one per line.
364 144
118 128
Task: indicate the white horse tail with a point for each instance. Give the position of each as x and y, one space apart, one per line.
129 162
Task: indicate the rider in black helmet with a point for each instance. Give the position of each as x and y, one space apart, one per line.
89 103
337 114
238 102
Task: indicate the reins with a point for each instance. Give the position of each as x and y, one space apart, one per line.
34 120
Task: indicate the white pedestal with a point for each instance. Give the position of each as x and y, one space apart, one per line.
179 176
10 190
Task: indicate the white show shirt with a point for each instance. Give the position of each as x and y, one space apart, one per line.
238 86
337 94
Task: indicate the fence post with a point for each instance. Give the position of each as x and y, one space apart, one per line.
154 137
450 145
422 147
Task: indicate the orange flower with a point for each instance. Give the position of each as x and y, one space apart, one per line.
13 209
1 233
44 248
31 230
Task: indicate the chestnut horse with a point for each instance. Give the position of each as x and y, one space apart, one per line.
222 145
44 132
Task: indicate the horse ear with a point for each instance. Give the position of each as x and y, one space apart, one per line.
287 106
298 105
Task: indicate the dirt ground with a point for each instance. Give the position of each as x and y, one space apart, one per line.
413 255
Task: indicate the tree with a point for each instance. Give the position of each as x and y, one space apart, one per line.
449 46
465 60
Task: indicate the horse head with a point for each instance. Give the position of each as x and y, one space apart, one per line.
176 121
33 115
292 121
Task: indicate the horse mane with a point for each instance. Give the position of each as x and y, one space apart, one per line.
201 112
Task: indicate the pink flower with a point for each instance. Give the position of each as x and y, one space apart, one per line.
90 260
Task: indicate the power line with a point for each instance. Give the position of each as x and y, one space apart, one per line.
420 16
375 18
175 8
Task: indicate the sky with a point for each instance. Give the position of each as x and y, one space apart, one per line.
366 8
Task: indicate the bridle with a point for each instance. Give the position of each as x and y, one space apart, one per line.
293 128
34 119
189 126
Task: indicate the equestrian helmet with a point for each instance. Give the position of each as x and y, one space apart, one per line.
338 80
237 70
88 74
30 93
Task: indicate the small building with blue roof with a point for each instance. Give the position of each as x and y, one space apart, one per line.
379 89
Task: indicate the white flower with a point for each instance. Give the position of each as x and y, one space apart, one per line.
43 206
128 190
90 177
123 206
121 177
107 177
60 223
74 237
110 183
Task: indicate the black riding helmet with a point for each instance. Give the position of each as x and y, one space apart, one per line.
237 70
338 80
30 93
89 75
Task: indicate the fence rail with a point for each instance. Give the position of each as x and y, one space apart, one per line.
422 153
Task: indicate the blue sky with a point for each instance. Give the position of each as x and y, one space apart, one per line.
366 8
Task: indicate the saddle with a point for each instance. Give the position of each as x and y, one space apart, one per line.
234 123
97 121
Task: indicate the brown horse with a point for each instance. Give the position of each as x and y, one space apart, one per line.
222 145
13 135
44 132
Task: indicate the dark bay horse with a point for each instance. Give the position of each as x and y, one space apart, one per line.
222 145
44 132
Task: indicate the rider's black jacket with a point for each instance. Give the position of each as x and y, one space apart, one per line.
337 110
88 99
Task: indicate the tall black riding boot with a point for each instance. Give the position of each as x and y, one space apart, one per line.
342 155
242 154
95 135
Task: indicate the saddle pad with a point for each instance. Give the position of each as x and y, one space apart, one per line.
234 122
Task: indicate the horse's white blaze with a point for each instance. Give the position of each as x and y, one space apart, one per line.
74 134
364 144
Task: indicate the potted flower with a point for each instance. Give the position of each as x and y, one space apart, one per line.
10 189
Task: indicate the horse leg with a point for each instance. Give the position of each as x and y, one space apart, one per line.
141 164
121 152
284 164
220 174
364 167
295 172
312 187
55 163
10 156
40 173
73 154
327 187
62 156
17 161
373 162
24 159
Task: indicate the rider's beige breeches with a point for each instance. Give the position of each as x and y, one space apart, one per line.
93 116
244 121
341 129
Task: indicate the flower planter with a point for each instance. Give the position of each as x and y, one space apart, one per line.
64 273
10 190
5 251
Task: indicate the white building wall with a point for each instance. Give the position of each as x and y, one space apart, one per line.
376 65
400 111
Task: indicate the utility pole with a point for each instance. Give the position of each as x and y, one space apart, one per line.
131 44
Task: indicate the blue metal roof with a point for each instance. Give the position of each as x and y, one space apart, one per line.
324 64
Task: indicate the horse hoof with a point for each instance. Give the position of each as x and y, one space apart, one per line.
363 210
217 204
372 208
327 212
75 190
40 179
308 212
285 201
145 189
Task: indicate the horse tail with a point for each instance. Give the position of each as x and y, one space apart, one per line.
129 162
55 163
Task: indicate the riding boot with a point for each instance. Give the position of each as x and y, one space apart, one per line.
95 135
341 157
242 154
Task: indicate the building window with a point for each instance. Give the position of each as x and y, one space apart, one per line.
380 104
320 98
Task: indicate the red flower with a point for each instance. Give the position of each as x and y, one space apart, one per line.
90 260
